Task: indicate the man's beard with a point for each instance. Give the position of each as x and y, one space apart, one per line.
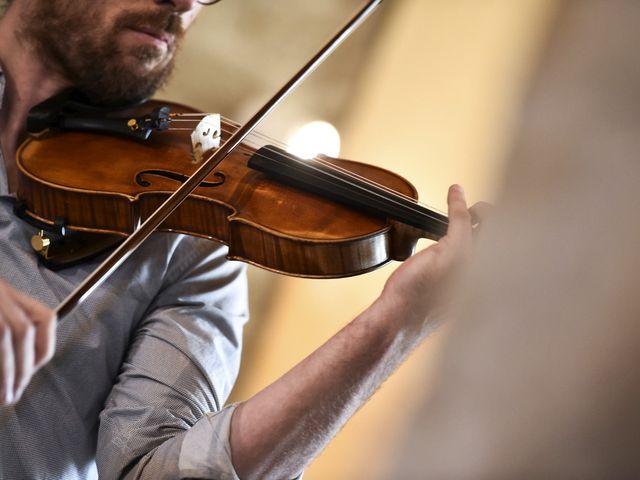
68 39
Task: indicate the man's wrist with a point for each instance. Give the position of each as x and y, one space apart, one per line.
396 326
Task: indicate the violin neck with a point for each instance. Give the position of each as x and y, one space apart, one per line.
324 179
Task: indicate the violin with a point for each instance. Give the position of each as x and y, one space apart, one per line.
323 218
320 218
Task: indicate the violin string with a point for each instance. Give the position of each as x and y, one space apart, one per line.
396 198
348 173
200 116
400 198
392 196
342 170
332 166
357 176
175 117
196 117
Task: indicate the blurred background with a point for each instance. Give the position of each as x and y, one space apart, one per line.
428 89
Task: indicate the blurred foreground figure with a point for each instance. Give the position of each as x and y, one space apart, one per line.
538 378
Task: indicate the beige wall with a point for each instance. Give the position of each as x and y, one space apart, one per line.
436 102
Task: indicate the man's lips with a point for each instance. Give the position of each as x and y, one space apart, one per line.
159 36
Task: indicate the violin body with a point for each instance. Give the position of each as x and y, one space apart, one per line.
110 184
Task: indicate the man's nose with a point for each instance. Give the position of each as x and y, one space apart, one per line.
180 6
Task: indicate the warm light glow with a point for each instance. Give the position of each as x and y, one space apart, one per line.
314 138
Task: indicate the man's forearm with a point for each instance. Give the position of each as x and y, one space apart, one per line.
276 433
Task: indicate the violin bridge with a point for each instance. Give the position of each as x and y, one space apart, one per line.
206 136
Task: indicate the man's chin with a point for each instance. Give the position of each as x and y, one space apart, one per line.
128 87
143 67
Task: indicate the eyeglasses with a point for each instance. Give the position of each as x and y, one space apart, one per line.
208 2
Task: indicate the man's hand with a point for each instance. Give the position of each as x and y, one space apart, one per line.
27 340
419 289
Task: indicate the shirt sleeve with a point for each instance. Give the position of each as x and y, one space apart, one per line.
163 418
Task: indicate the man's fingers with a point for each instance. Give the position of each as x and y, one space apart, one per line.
18 348
459 230
23 335
27 339
7 363
45 322
7 356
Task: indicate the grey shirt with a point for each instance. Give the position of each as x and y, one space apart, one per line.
141 369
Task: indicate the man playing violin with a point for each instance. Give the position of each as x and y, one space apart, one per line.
133 383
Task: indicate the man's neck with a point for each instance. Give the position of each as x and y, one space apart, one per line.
28 82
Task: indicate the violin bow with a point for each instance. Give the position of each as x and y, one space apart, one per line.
133 241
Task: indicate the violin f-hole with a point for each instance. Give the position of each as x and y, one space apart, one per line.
179 177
